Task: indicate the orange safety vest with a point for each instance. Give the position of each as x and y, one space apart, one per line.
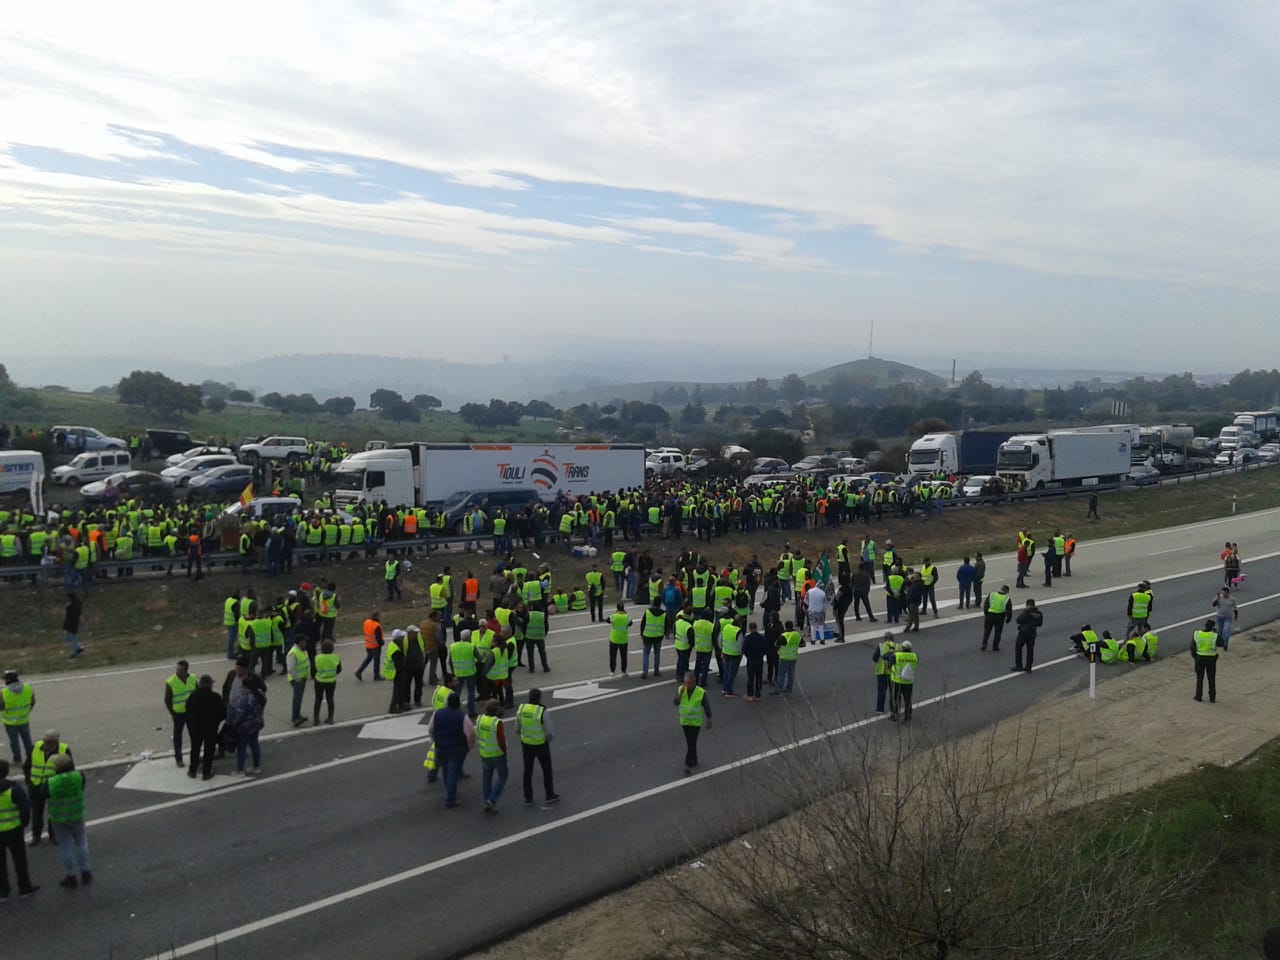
371 634
471 590
411 523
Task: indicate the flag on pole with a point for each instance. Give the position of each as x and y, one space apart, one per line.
247 496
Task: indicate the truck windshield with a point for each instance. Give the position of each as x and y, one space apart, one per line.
348 480
1015 458
920 457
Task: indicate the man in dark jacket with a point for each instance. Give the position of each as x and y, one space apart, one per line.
71 625
205 713
1029 621
13 797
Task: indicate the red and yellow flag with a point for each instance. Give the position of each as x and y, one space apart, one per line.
247 495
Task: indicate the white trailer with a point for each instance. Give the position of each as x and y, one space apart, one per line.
22 478
1067 458
425 474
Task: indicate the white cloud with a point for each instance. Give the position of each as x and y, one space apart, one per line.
487 180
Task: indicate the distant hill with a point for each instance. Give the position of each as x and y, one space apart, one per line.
873 370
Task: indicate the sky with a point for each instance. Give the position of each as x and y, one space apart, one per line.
1089 184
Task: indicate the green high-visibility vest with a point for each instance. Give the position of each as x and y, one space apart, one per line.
997 603
1141 604
618 624
182 689
691 713
66 797
901 660
617 562
500 669
730 640
487 737
684 633
887 647
703 631
302 660
10 816
536 628
229 611
17 706
389 665
654 626
327 667
529 721
791 649
42 765
440 697
595 583
1206 643
463 655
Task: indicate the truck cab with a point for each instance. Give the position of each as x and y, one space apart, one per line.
931 453
374 476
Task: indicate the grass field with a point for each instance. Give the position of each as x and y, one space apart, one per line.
148 617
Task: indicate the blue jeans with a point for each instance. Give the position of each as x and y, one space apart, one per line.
730 672
470 684
247 742
19 732
73 641
299 688
701 667
450 763
1224 630
786 675
492 766
73 844
231 642
644 656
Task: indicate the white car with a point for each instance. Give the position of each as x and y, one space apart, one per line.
181 475
1269 452
972 486
851 464
85 438
275 448
177 458
1236 458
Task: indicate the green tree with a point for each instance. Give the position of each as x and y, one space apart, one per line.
215 404
240 396
155 392
771 419
402 412
426 402
793 388
340 406
382 398
693 415
774 443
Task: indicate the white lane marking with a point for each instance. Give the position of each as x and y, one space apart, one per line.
1156 553
235 933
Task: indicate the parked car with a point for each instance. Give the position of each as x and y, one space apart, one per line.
815 463
76 439
767 479
275 448
86 467
665 465
230 479
167 442
1269 452
1236 458
139 484
851 463
177 458
181 475
979 485
1143 474
769 465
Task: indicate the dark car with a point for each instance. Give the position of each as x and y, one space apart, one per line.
816 464
165 443
137 484
220 481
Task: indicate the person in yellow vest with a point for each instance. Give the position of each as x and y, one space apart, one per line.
66 810
996 612
393 669
1141 604
619 624
491 744
38 768
327 667
535 745
882 656
177 689
19 699
501 656
298 667
694 712
789 644
231 620
595 593
902 676
327 605
15 814
462 659
1204 651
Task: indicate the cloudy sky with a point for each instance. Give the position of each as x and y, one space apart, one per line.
1087 183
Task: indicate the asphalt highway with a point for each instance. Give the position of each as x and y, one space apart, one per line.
342 848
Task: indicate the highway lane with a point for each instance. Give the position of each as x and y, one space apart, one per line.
249 869
117 714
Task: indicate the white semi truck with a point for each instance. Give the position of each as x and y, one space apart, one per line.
963 451
422 474
1067 458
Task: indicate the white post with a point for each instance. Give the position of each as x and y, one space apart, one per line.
1233 504
1093 672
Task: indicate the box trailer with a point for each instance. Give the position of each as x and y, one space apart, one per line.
1067 458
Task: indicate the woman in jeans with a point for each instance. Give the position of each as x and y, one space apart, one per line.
245 717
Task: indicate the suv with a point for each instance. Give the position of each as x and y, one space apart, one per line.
165 443
275 448
665 465
86 467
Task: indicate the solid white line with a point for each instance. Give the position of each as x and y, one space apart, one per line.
1156 553
374 886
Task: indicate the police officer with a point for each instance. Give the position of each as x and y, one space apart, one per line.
1204 650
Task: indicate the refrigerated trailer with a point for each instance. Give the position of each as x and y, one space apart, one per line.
1067 458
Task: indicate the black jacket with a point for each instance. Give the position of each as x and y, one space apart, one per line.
205 712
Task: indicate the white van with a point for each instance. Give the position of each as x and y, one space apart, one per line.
91 465
22 477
